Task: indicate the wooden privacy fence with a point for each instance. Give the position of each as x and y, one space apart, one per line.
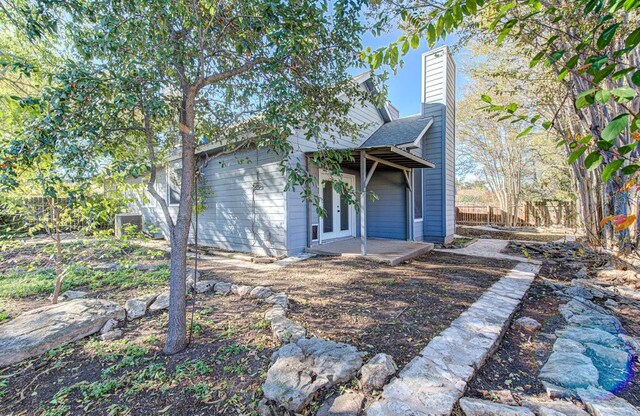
536 214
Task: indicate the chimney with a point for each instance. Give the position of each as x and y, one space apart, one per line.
439 102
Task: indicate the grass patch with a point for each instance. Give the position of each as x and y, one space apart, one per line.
20 284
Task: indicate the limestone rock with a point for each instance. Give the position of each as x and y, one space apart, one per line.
276 311
376 372
222 288
568 345
347 404
205 286
570 370
160 303
110 325
285 330
300 369
241 290
278 299
584 335
602 403
136 308
192 278
111 335
39 330
554 408
528 324
610 303
260 292
477 407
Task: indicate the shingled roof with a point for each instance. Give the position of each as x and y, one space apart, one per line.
398 132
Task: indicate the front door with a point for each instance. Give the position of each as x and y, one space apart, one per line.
339 219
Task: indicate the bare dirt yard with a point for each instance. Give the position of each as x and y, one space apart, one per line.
373 306
526 234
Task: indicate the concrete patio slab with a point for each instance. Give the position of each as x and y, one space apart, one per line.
392 252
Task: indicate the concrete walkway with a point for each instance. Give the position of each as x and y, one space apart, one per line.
489 248
432 382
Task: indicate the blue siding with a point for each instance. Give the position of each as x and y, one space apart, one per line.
387 216
438 101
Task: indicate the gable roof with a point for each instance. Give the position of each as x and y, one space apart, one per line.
403 131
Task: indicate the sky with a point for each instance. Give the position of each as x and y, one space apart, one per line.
404 88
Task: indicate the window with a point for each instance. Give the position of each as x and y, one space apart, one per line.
417 194
174 173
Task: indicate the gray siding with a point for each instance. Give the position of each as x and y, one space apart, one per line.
367 115
438 101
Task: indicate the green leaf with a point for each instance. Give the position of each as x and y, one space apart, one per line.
471 5
415 41
619 74
604 145
576 154
560 143
547 125
555 56
633 39
624 92
405 47
524 132
512 107
630 169
536 59
635 78
603 96
585 98
626 149
603 73
615 127
485 98
593 160
611 168
606 36
586 139
505 31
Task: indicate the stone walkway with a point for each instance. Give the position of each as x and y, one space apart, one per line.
489 248
432 382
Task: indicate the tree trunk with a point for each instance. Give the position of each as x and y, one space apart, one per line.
177 326
58 257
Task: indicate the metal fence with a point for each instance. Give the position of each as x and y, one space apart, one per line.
34 214
537 214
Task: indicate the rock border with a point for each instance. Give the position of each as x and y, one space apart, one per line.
436 379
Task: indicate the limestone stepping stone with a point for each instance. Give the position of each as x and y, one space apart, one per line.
477 407
276 311
39 330
570 370
432 382
278 299
602 403
554 408
298 370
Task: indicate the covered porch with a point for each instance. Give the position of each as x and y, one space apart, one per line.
382 229
383 250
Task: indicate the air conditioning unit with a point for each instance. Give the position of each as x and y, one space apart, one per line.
125 221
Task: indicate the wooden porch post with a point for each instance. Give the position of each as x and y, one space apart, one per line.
363 202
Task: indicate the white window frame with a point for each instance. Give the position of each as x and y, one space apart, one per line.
421 190
171 204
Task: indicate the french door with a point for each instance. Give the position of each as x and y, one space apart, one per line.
340 216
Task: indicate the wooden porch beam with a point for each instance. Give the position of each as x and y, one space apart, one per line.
370 174
383 162
408 179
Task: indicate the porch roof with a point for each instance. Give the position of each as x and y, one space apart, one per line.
387 156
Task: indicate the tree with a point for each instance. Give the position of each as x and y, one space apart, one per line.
144 74
591 47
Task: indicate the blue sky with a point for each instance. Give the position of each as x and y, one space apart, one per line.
404 88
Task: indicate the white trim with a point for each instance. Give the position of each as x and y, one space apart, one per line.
416 143
351 232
